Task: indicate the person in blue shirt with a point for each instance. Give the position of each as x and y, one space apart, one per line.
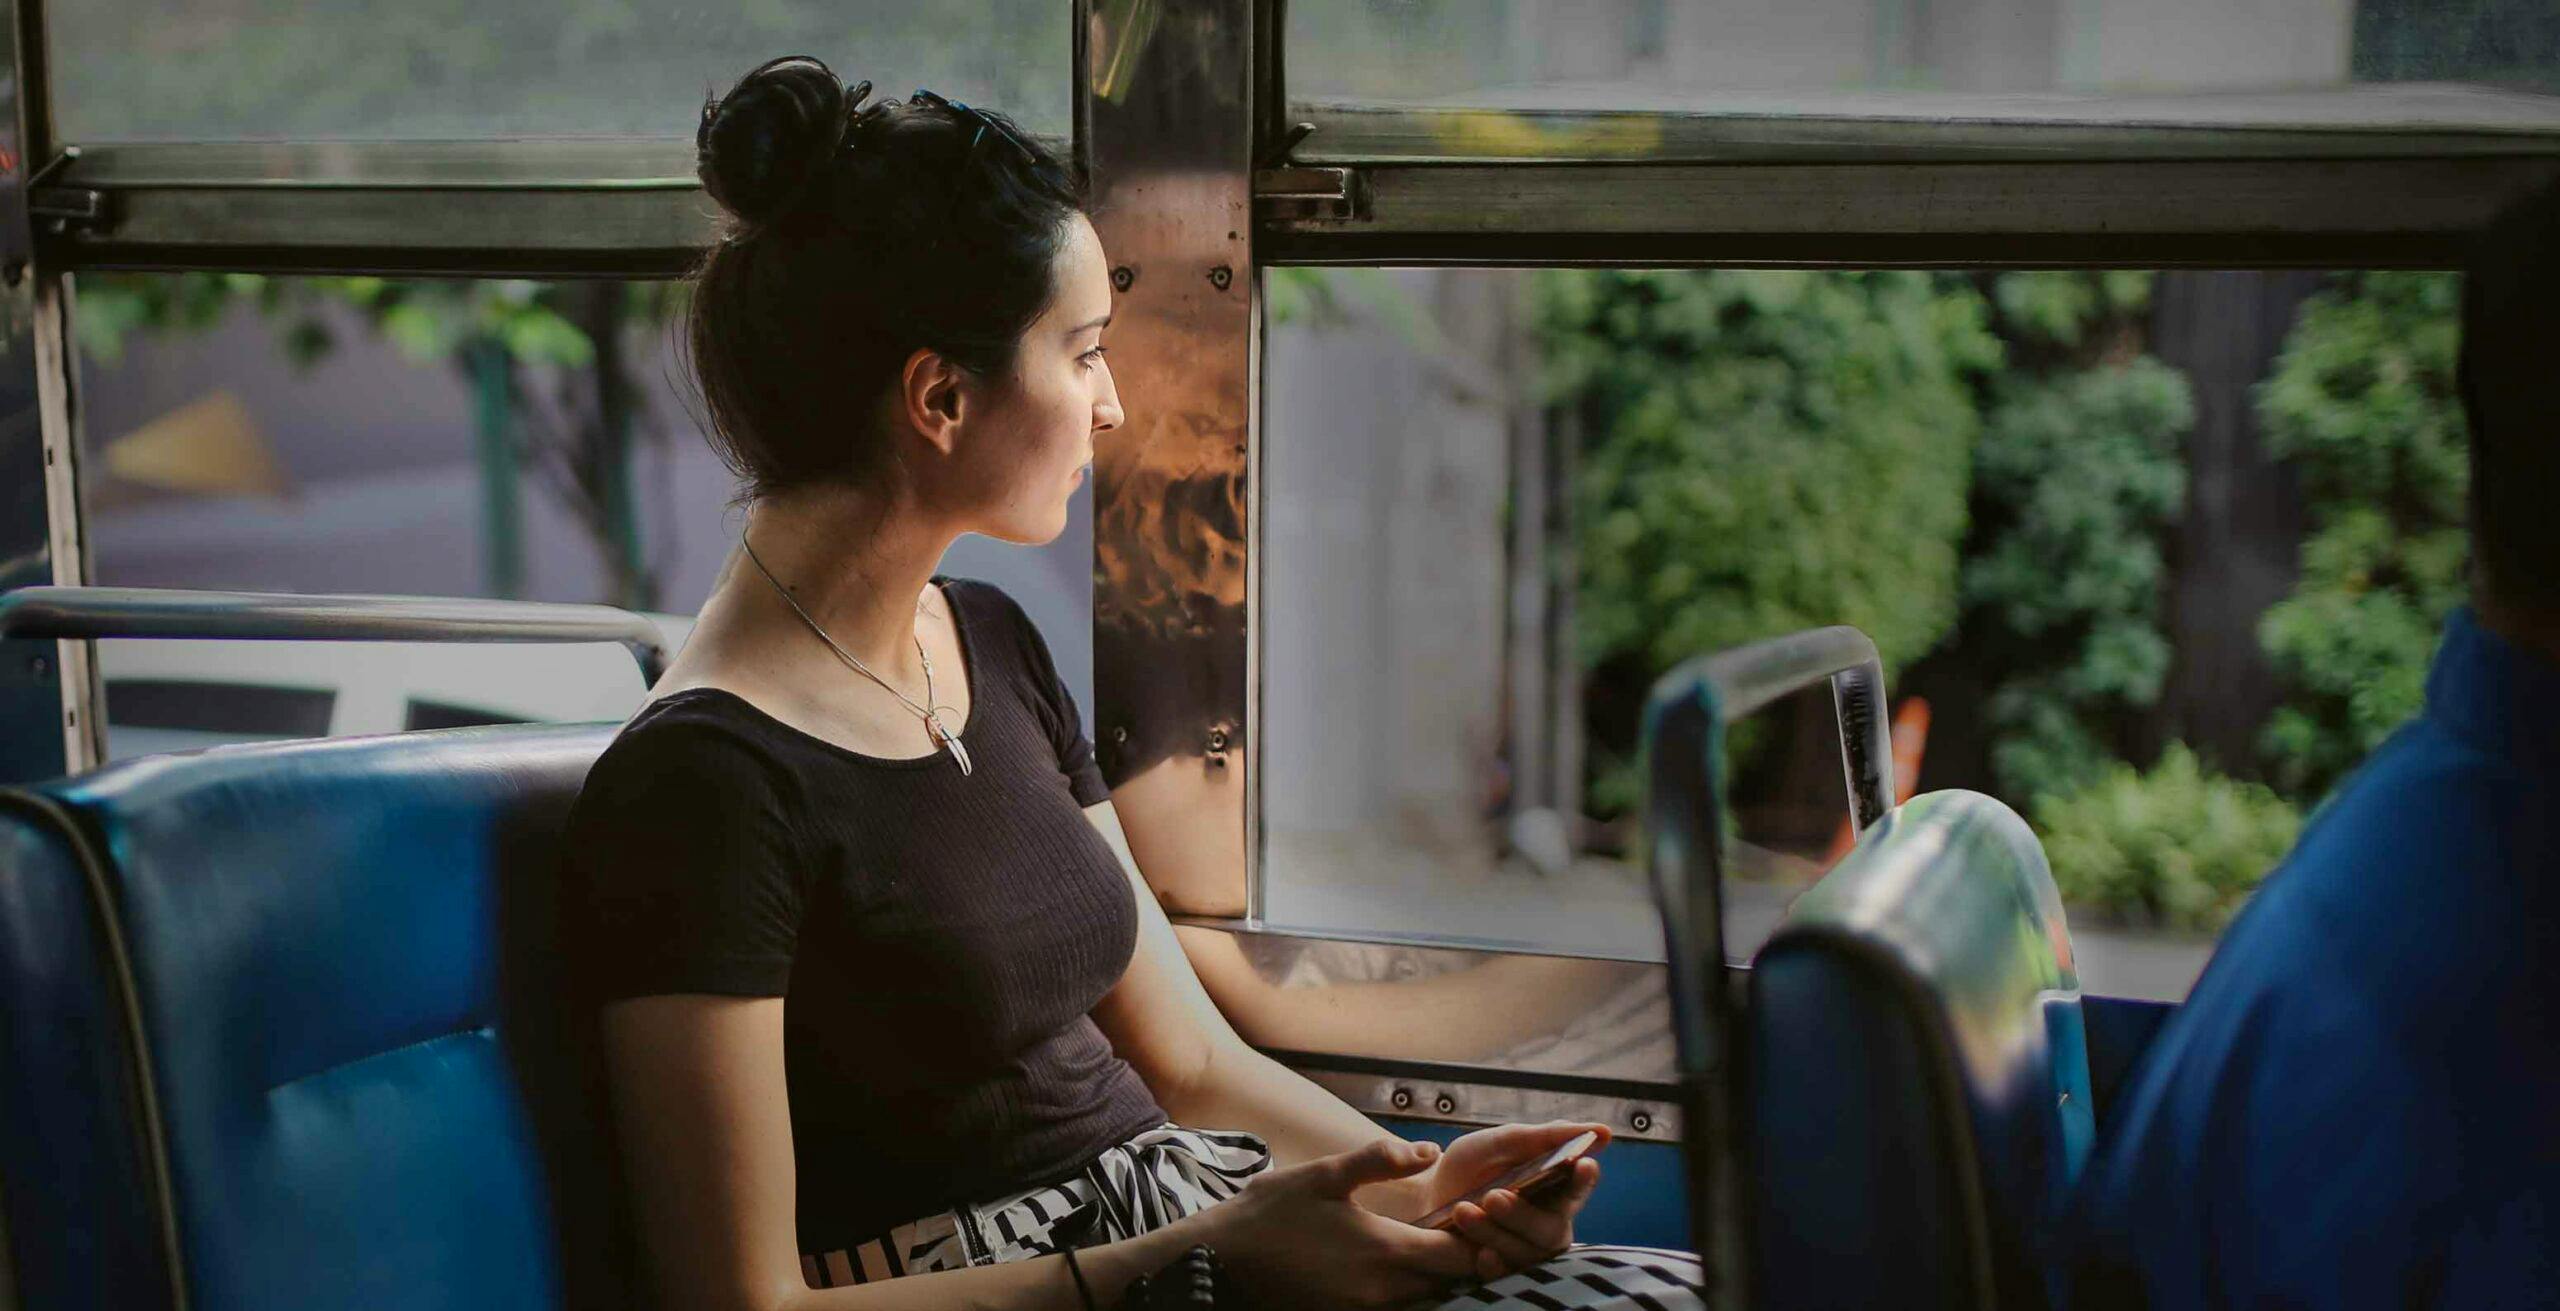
2359 1105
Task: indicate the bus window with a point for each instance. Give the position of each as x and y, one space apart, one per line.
1732 79
471 438
2153 557
169 70
149 715
424 713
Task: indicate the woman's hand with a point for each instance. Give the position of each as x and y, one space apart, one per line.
1511 1232
1294 1237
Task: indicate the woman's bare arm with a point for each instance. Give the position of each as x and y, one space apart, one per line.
1163 1023
704 1118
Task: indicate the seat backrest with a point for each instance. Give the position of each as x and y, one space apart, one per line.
283 1025
1917 1078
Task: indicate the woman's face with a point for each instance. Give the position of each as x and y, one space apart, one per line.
1032 454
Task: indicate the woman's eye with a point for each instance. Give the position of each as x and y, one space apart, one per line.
1094 356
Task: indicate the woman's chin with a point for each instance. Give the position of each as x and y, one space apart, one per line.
1026 532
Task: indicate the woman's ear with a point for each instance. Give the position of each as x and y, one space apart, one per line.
931 397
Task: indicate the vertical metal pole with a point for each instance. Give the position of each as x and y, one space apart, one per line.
1526 599
501 516
50 702
1165 94
634 589
1564 583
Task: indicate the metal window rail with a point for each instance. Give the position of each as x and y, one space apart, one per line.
1684 731
85 613
631 209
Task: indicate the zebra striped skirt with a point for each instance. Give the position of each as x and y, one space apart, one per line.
1170 1172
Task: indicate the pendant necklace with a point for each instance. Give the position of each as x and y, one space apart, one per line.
935 726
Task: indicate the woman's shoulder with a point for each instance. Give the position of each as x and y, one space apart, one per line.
995 619
977 597
700 741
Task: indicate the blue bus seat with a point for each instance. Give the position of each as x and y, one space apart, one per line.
1917 1098
280 1026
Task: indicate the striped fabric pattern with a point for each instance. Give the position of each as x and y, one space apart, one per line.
1169 1172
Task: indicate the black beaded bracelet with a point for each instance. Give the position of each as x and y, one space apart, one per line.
1190 1282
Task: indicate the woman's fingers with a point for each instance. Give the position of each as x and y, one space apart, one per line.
1372 1162
1524 1231
1577 1190
1509 1249
1428 1251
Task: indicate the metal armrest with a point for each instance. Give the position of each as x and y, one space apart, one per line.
99 612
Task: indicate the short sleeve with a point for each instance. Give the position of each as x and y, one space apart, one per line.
1057 705
680 876
1075 751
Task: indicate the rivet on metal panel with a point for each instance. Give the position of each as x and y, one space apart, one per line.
1641 1122
1123 277
1221 276
1401 1099
1218 739
1445 1104
1120 734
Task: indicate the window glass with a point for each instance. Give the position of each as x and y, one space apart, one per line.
2103 527
150 715
426 438
199 70
2313 64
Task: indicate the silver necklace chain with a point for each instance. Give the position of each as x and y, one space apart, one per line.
929 712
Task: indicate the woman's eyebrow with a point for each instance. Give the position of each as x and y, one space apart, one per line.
1104 321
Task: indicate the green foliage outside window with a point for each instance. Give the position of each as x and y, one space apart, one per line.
2363 403
2079 476
1771 452
1764 452
2175 845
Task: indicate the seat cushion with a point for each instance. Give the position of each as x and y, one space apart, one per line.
340 959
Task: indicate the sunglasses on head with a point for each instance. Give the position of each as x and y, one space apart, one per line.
984 120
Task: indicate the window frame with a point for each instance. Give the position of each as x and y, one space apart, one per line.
1722 194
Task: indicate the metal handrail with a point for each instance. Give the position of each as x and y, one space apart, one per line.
1684 732
123 612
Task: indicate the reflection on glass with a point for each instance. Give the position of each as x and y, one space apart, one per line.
2152 558
197 70
2177 61
1538 1014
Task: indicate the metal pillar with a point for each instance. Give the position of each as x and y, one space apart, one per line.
50 703
501 519
1165 101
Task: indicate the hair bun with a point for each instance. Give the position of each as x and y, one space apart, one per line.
760 147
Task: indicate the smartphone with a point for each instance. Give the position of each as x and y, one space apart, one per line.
1527 1180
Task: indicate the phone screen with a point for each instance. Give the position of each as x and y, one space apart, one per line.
1524 1179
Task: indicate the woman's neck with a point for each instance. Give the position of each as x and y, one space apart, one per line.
857 563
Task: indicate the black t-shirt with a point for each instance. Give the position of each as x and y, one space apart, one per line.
940 940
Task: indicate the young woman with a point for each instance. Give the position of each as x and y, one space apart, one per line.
880 1004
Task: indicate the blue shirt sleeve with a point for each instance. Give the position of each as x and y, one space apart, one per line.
2356 1107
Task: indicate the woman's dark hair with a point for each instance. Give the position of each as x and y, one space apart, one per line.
856 235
